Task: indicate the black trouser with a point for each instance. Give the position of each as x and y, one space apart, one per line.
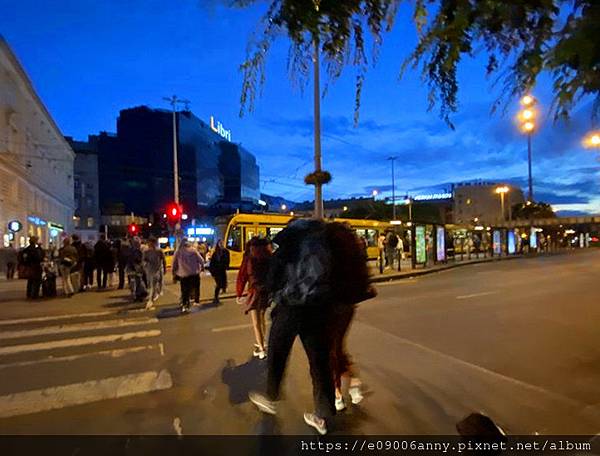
10 270
33 287
88 274
121 277
220 282
310 323
189 285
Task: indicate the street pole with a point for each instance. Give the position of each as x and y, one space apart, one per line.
392 159
503 218
529 165
317 120
173 100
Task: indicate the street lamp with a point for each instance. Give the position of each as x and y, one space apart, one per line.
592 140
374 193
502 190
283 207
527 117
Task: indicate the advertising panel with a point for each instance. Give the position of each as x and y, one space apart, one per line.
497 241
512 248
421 256
533 238
440 243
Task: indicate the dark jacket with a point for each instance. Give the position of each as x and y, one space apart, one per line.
103 255
30 262
219 262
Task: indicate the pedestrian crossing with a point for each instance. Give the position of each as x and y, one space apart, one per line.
51 362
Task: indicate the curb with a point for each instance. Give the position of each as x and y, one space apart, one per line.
420 272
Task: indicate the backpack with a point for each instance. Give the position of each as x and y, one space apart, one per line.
300 274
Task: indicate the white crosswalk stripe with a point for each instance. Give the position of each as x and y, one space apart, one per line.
47 363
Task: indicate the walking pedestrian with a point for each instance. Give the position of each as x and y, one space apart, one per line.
350 278
30 267
135 270
10 259
103 258
68 263
155 266
254 271
187 265
381 249
300 289
219 263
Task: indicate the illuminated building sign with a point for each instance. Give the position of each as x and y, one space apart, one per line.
432 196
15 226
219 129
36 220
200 231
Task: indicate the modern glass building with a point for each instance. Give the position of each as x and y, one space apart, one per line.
135 166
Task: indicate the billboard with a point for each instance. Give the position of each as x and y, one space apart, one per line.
497 242
440 243
421 253
512 248
533 238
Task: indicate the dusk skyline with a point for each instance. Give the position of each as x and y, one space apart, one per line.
88 60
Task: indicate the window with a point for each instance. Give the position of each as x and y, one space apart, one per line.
76 222
369 235
468 201
272 231
90 222
234 238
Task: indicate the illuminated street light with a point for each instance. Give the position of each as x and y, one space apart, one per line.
345 208
592 140
527 100
375 193
527 122
283 207
502 190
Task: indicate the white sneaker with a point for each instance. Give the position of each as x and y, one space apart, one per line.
315 422
258 353
356 394
263 404
339 404
149 305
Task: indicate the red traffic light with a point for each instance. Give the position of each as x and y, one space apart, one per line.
174 211
133 229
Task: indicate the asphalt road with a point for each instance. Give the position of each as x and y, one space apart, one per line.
518 340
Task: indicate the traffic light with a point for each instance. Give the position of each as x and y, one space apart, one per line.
133 229
174 212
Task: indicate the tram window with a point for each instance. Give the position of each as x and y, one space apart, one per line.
370 236
234 240
273 231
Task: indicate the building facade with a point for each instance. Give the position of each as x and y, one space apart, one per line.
86 221
135 166
479 202
36 162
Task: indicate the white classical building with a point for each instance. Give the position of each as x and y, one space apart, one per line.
36 162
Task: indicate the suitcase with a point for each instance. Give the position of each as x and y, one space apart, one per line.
49 286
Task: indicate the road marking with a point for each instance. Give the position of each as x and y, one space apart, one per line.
91 340
111 353
55 317
476 295
396 282
161 346
231 328
89 326
57 397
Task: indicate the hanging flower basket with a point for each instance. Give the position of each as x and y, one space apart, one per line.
317 177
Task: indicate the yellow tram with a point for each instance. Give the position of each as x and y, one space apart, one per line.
236 230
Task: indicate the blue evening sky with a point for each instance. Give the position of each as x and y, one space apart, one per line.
88 59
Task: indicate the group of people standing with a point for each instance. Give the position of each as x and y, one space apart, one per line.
315 273
391 248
